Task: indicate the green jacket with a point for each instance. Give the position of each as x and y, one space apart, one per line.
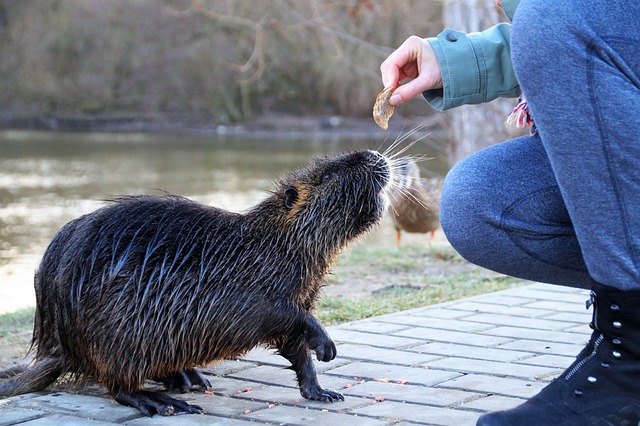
476 67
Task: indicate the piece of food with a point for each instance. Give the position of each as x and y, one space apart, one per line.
382 110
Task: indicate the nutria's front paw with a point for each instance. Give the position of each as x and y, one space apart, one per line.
319 341
325 351
319 394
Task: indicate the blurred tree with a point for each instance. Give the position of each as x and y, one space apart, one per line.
473 127
229 60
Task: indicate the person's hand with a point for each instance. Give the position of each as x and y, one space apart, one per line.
416 60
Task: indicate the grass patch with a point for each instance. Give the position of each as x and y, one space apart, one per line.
331 310
16 322
403 278
390 259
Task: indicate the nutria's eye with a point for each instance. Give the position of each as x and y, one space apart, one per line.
327 177
290 197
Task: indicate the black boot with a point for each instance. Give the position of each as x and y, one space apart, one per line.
602 386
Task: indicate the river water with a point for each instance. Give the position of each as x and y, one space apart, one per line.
49 178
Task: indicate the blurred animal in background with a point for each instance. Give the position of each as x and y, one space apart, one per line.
415 202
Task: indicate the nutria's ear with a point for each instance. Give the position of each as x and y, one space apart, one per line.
290 197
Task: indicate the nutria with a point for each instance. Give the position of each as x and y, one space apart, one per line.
415 202
150 287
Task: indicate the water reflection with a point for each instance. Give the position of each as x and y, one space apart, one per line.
47 179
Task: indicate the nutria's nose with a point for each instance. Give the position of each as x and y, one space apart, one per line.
381 164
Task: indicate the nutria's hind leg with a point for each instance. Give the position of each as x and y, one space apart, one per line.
150 403
185 380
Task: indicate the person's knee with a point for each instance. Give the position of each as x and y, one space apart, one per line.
462 214
450 213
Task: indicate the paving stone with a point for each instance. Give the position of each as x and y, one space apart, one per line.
505 386
581 328
558 306
473 339
321 367
432 312
284 396
410 393
227 386
262 355
10 415
543 335
281 377
548 361
268 374
419 413
543 347
475 307
373 339
185 420
221 368
520 322
441 324
262 376
395 373
221 406
377 326
582 319
389 356
60 419
543 293
85 406
471 352
493 403
300 416
503 299
494 368
557 288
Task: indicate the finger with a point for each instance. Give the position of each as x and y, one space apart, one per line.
390 73
407 91
391 68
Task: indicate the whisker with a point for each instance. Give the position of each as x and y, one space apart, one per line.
399 139
409 145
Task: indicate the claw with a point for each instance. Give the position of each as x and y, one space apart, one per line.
150 403
319 394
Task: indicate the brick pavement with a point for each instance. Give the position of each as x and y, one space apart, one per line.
443 364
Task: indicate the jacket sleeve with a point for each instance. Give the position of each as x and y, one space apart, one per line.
476 67
509 7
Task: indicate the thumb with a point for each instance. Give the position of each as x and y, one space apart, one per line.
407 91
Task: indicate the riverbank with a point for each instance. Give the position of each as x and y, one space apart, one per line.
280 124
